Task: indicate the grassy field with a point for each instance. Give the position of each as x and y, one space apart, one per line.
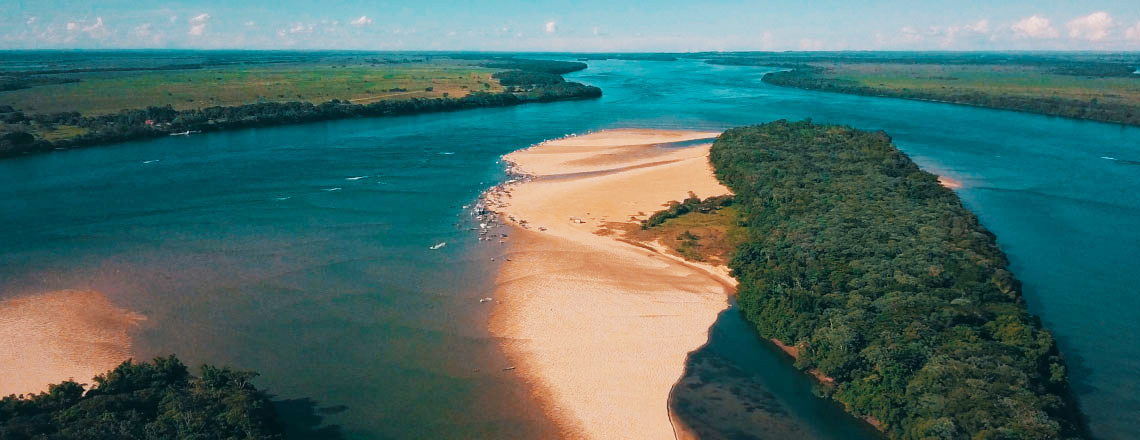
698 236
100 93
956 80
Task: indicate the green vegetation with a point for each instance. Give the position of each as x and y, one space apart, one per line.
80 99
148 400
691 204
708 230
1099 87
889 286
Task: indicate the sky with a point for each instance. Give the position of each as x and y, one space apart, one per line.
573 26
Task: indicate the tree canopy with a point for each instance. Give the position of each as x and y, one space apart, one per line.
146 400
889 286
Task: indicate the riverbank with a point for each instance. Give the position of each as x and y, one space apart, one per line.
599 326
54 336
156 122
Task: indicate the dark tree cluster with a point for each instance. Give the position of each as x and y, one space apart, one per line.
545 66
889 286
147 400
691 204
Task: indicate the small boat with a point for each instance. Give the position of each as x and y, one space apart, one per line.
185 133
439 245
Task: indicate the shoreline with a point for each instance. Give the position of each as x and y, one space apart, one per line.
599 326
309 113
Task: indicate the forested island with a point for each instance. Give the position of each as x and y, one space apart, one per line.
483 81
146 400
888 287
1092 86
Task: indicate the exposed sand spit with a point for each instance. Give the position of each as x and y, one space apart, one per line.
602 327
51 337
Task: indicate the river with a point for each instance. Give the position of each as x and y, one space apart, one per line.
304 251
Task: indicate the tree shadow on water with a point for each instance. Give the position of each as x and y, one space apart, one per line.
304 419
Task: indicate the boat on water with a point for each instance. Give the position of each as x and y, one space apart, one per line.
185 133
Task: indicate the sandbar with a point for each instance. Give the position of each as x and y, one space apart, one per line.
51 337
601 327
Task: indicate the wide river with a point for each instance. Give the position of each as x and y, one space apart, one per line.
303 251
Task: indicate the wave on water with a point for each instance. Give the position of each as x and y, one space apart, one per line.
447 153
151 161
331 189
355 178
1107 158
282 198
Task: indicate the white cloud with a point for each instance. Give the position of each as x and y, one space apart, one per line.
910 34
172 19
550 27
249 23
96 30
810 44
1034 27
597 31
143 30
32 20
1133 33
300 28
1092 27
981 27
362 21
198 24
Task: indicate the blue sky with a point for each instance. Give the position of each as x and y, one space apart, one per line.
590 25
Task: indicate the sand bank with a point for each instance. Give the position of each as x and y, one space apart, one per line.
51 337
602 327
949 182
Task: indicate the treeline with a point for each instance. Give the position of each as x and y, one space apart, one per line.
546 66
162 121
812 79
9 82
1093 64
524 78
148 400
889 286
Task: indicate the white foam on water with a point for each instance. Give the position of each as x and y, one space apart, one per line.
282 198
1107 158
332 189
151 161
447 153
355 178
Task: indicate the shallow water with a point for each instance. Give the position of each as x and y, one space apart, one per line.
238 250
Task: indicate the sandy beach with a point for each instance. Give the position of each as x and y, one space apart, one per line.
601 327
51 337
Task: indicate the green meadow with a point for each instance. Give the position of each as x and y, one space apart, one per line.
99 93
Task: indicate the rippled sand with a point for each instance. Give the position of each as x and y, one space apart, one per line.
602 327
51 337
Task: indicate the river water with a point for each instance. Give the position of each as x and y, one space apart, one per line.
303 251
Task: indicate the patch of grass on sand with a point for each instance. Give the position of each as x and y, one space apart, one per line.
696 236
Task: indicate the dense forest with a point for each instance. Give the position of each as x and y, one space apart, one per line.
888 285
530 81
146 400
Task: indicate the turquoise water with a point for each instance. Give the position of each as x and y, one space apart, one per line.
240 249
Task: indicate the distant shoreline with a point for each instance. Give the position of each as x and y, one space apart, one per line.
290 113
771 78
